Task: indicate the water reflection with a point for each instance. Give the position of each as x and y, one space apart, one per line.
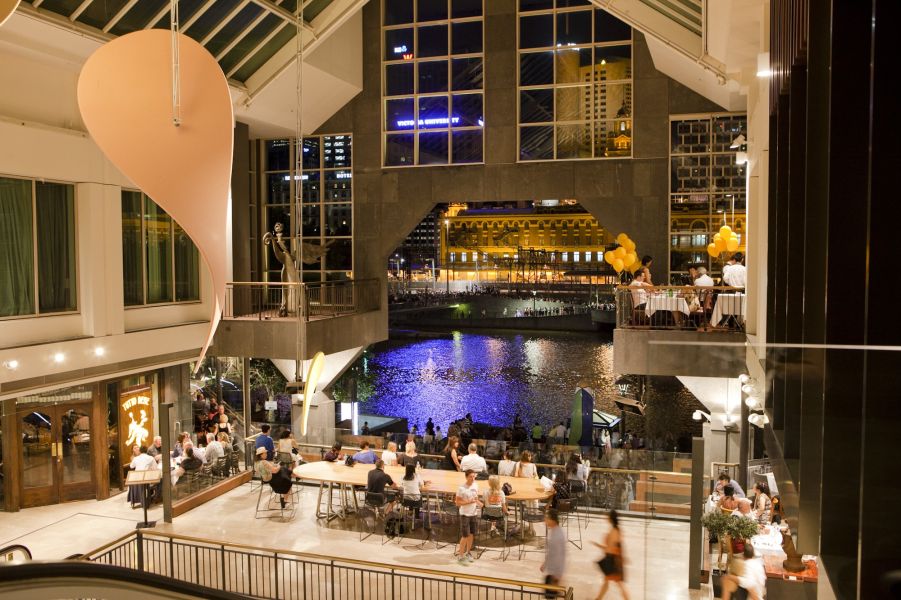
493 376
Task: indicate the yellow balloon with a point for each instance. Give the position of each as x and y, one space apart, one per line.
732 244
720 245
630 245
725 230
717 237
635 266
631 257
609 256
712 250
621 239
618 265
620 252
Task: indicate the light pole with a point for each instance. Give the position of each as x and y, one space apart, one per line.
447 254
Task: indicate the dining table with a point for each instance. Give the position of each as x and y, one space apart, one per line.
729 305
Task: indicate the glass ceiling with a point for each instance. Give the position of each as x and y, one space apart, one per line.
241 34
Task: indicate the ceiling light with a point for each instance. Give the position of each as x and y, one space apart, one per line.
752 402
758 420
749 389
99 351
700 415
12 365
765 73
59 357
744 378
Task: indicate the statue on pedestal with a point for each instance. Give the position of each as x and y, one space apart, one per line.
281 248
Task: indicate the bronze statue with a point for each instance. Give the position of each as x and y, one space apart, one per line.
793 563
281 247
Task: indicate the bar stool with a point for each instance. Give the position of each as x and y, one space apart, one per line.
449 510
273 504
495 515
408 506
369 513
530 515
578 491
566 509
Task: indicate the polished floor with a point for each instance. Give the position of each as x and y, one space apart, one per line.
656 551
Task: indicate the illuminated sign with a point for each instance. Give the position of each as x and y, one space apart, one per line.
135 419
400 49
429 122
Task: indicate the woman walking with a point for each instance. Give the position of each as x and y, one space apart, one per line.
612 563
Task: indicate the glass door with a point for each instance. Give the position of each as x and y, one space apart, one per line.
56 453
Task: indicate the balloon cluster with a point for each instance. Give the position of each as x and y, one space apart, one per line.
724 241
623 256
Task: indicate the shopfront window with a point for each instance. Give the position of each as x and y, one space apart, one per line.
160 263
37 247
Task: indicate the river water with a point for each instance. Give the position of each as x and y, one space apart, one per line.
493 375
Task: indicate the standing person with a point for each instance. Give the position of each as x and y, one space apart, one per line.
646 261
451 460
365 430
554 552
467 500
735 273
536 432
428 439
752 578
613 558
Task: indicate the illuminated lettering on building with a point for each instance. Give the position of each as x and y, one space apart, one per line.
429 122
136 419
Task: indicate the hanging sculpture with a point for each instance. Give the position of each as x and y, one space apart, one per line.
158 105
7 8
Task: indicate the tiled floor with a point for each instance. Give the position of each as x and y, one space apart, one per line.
656 551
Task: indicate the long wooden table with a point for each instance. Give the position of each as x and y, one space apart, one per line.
329 474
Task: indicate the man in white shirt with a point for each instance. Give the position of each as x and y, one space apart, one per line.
468 503
735 274
639 296
703 279
214 450
143 461
473 461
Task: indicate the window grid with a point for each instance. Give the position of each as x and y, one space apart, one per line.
591 100
707 187
36 297
175 231
327 189
417 61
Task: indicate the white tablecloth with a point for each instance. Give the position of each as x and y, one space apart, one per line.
728 304
663 302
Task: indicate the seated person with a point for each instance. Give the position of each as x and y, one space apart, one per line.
277 476
389 456
287 445
473 461
744 509
495 503
639 296
724 480
410 456
728 502
156 449
189 462
365 456
507 464
334 453
216 449
412 484
376 482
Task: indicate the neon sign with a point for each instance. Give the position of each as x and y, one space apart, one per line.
429 122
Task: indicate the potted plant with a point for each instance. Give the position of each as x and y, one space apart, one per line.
716 522
741 530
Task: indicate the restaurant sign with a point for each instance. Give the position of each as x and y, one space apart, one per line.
135 419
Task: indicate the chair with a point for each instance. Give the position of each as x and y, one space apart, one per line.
285 459
408 506
369 515
530 515
448 509
578 490
273 504
565 509
220 469
495 515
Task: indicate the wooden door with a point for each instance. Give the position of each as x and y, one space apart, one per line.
55 459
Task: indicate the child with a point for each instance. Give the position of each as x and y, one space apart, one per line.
495 503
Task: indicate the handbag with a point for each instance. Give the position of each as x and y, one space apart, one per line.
349 461
607 564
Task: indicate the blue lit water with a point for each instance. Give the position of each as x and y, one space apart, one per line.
492 375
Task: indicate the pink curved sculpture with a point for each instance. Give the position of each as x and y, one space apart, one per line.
125 99
7 8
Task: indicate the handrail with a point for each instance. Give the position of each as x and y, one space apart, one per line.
494 460
14 548
266 300
36 571
380 566
681 307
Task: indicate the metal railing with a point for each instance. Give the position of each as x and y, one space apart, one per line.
681 307
276 300
285 575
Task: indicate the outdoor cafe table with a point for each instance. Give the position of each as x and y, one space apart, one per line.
660 301
726 305
441 482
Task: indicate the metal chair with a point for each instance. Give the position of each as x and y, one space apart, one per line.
285 459
579 492
369 516
449 510
273 503
530 515
566 509
495 515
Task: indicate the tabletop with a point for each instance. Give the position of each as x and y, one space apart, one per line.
657 302
728 304
441 482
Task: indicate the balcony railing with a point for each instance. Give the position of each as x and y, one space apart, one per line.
275 300
691 308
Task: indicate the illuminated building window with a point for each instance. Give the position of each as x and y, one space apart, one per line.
575 82
308 188
575 257
432 82
707 188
